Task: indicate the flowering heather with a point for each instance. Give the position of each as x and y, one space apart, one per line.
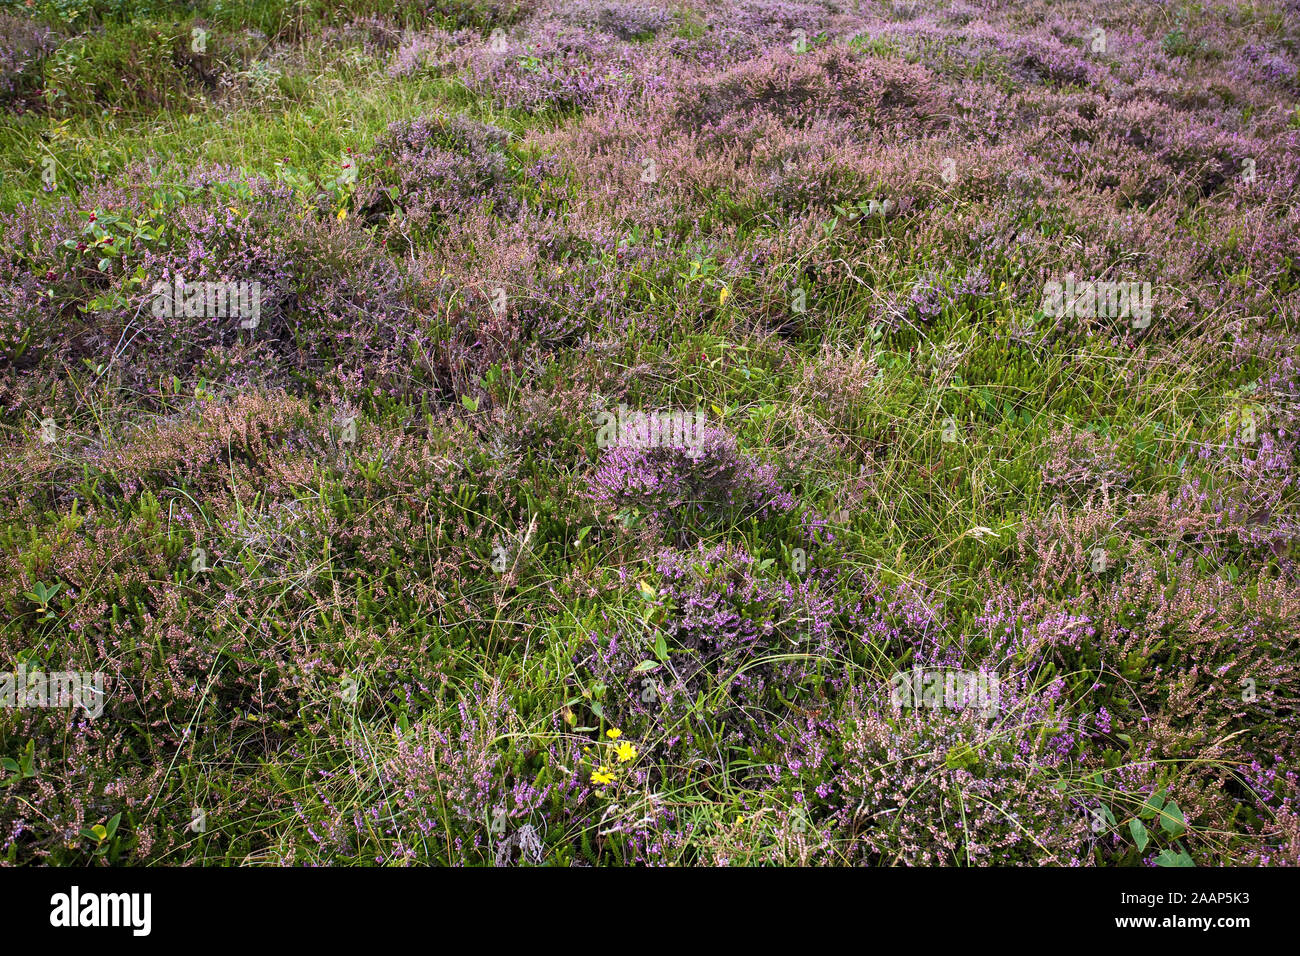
368 584
626 21
832 84
441 167
924 788
24 45
1081 463
670 479
549 67
419 50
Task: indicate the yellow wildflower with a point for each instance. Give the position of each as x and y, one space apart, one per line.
722 296
625 752
601 777
613 733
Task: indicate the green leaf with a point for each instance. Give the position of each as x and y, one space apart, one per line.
1170 858
661 647
100 833
1171 820
470 403
1139 832
645 666
1152 806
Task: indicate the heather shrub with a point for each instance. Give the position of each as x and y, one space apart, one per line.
546 66
481 15
675 483
219 228
1283 842
460 787
1046 60
555 297
202 622
927 786
364 590
374 36
417 51
877 95
1081 464
534 282
625 21
774 20
739 647
1258 63
435 168
24 46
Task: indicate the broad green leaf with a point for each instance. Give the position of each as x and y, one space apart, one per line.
1139 834
1170 858
1171 820
1152 806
